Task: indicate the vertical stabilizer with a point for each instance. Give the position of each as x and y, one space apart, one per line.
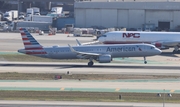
29 42
32 47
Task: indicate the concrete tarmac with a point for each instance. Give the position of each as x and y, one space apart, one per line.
80 104
75 68
62 85
13 41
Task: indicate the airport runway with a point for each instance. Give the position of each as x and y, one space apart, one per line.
79 104
82 68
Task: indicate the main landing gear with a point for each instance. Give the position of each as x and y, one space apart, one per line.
90 63
176 50
145 62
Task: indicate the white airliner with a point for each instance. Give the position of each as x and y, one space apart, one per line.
100 53
162 40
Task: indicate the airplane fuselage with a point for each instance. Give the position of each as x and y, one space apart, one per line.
129 37
100 53
125 50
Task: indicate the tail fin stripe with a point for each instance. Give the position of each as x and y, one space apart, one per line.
27 37
23 34
29 41
30 38
33 41
24 39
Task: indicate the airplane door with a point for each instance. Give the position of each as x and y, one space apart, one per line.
145 48
113 37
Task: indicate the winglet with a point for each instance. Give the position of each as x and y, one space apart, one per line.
72 50
79 44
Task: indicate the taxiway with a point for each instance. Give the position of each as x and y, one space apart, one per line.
79 104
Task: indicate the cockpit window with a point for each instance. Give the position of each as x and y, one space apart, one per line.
152 47
103 36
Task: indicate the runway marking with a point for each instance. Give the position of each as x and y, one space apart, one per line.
172 91
117 89
62 89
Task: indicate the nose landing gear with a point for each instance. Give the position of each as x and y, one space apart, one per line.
145 62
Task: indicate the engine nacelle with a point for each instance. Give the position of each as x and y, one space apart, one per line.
104 59
160 46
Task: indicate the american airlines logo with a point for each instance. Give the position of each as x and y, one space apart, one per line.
120 49
129 35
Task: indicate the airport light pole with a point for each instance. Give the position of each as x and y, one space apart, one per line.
164 98
159 95
19 3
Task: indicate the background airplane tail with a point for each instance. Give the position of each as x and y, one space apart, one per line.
29 42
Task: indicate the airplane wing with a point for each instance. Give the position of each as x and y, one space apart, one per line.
87 43
84 55
78 42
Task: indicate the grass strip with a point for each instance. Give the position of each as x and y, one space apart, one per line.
87 96
51 76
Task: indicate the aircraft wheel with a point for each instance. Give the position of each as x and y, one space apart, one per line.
145 62
174 51
90 63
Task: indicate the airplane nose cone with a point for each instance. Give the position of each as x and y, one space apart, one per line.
100 39
158 51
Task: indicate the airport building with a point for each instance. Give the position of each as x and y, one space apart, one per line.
153 14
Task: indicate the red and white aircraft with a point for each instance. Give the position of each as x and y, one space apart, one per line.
162 40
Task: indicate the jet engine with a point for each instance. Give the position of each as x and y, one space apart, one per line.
104 59
160 46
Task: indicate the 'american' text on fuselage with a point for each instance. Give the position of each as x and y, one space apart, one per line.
120 49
